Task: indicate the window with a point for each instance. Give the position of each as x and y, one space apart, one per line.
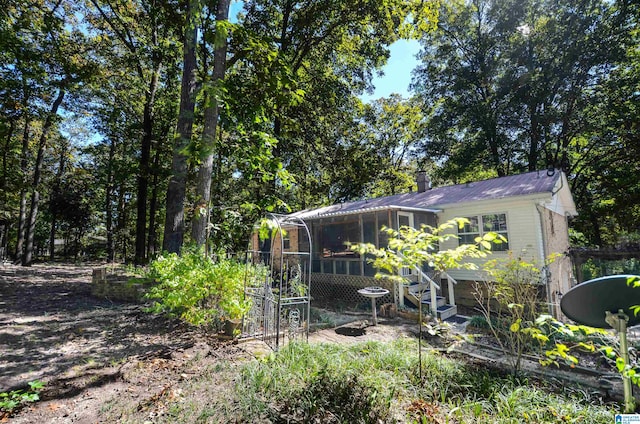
383 220
479 225
470 231
286 241
405 219
337 237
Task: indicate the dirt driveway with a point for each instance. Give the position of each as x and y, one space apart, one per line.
51 327
106 361
84 348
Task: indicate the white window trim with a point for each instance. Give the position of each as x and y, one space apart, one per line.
408 215
480 217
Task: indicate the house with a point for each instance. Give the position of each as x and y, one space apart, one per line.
530 210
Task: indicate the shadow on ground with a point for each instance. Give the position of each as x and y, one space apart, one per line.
52 329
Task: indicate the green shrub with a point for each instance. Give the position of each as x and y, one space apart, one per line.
478 321
198 290
510 299
333 398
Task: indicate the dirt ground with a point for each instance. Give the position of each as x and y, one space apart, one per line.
93 353
85 348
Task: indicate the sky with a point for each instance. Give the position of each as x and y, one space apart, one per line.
397 72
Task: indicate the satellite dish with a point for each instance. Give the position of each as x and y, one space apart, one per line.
588 302
606 303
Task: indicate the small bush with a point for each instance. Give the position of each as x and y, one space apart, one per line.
479 321
510 300
198 290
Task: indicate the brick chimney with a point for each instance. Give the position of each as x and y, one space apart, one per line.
424 183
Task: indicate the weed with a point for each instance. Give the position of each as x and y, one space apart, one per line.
478 321
11 401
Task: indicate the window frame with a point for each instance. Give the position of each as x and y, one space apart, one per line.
286 241
480 219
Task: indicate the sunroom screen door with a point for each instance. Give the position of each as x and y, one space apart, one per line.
405 219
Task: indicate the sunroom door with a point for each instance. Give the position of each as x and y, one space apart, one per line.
405 219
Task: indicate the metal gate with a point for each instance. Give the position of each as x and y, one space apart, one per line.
280 308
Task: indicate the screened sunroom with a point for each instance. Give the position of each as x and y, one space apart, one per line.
337 271
333 233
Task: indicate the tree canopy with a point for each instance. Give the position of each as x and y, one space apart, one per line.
526 85
197 121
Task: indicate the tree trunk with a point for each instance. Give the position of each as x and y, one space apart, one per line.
122 222
3 188
52 236
35 196
211 113
4 232
108 200
174 220
534 138
22 217
153 204
5 154
143 172
492 141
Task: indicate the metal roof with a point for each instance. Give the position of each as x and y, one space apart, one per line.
531 183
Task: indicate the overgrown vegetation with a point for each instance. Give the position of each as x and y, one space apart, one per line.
418 249
375 381
509 300
199 290
561 342
370 382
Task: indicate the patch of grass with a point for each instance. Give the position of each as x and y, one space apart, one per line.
377 382
371 382
329 383
478 321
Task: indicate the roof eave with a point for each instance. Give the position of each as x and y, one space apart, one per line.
371 209
533 196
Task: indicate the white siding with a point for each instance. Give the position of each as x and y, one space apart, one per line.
523 227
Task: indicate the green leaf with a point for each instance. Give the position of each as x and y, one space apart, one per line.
608 351
541 338
544 318
633 281
589 347
36 385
